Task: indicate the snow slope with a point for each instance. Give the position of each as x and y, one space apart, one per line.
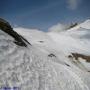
45 65
74 40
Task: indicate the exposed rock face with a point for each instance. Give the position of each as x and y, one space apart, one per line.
6 27
77 56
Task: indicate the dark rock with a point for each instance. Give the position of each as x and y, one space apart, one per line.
51 55
6 27
70 56
77 56
41 41
67 64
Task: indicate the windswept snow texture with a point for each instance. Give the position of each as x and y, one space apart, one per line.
45 65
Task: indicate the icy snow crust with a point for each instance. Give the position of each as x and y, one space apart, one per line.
31 68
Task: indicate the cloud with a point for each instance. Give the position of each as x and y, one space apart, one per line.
73 4
58 27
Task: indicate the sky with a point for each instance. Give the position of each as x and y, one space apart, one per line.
42 14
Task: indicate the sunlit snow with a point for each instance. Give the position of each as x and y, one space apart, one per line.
45 65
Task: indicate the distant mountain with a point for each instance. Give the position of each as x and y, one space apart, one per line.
52 60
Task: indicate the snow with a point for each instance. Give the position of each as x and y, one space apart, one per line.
58 27
31 68
86 24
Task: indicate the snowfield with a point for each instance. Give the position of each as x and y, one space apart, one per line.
53 61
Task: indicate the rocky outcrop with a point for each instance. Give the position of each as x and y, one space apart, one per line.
77 56
6 27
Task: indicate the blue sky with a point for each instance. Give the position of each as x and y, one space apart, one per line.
42 14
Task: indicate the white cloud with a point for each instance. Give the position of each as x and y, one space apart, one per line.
73 4
58 27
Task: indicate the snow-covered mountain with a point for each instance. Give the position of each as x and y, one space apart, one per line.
52 60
